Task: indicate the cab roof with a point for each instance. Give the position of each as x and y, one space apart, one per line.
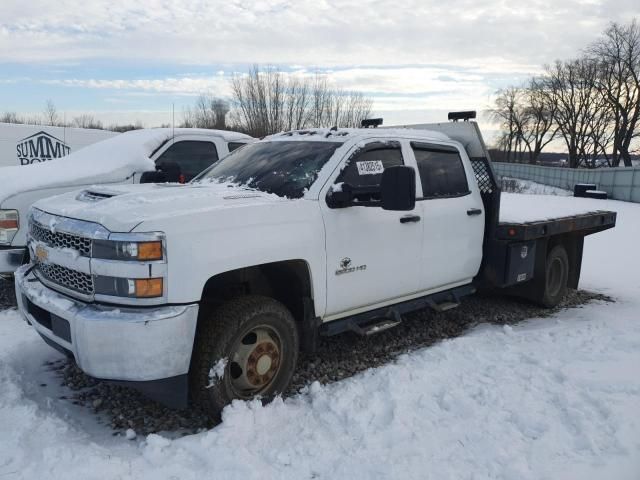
344 134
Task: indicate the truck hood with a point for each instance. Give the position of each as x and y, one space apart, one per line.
121 208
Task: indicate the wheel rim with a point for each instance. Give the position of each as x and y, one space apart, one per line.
554 277
255 361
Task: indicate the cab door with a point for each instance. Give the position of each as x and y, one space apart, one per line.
373 255
453 215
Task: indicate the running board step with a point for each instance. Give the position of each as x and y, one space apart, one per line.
379 327
444 306
365 321
392 318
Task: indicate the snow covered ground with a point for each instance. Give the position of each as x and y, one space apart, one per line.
553 398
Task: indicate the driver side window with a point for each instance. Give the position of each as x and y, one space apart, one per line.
189 156
364 168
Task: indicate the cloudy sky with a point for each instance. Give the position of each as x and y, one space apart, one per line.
128 60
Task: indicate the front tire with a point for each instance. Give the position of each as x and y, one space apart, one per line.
245 349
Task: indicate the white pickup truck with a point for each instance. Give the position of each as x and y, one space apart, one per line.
212 288
160 154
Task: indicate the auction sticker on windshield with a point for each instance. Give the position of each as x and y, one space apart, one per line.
370 167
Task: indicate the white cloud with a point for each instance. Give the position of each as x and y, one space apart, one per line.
412 56
305 32
175 85
392 88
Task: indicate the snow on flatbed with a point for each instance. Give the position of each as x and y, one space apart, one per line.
553 398
518 208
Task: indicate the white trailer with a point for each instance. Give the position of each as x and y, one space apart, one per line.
32 144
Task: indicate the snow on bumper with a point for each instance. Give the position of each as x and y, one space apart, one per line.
10 259
108 342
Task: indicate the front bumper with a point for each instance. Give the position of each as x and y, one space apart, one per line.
107 342
10 260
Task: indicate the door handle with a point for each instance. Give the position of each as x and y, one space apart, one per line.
474 211
410 218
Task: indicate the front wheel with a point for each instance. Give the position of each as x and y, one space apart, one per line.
247 348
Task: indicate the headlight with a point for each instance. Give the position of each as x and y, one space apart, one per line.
9 224
119 250
129 287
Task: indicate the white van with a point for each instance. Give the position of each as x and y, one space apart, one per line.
32 144
140 156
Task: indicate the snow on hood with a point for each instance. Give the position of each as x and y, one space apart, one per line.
109 161
122 207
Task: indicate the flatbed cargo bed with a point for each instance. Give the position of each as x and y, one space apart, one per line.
529 217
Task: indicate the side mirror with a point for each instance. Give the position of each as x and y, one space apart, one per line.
152 177
398 188
340 196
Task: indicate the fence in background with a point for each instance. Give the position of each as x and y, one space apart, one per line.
619 183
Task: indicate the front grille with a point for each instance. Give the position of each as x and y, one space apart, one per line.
61 239
67 278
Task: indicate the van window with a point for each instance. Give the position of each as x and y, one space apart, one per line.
192 156
234 145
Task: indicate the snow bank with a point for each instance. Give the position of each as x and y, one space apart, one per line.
554 398
518 208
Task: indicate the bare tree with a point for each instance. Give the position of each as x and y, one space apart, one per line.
537 126
297 102
50 114
11 117
267 101
209 112
618 57
126 128
86 121
592 103
508 112
582 116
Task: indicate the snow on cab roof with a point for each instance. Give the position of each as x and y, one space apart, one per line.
343 134
109 161
226 135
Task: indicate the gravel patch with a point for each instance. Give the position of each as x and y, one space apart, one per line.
7 294
338 357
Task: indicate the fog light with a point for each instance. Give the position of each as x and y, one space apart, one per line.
148 287
128 287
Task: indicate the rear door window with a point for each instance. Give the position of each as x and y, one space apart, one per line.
441 171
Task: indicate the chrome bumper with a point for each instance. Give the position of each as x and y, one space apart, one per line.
114 343
10 260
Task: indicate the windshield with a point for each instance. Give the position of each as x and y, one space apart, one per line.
284 168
